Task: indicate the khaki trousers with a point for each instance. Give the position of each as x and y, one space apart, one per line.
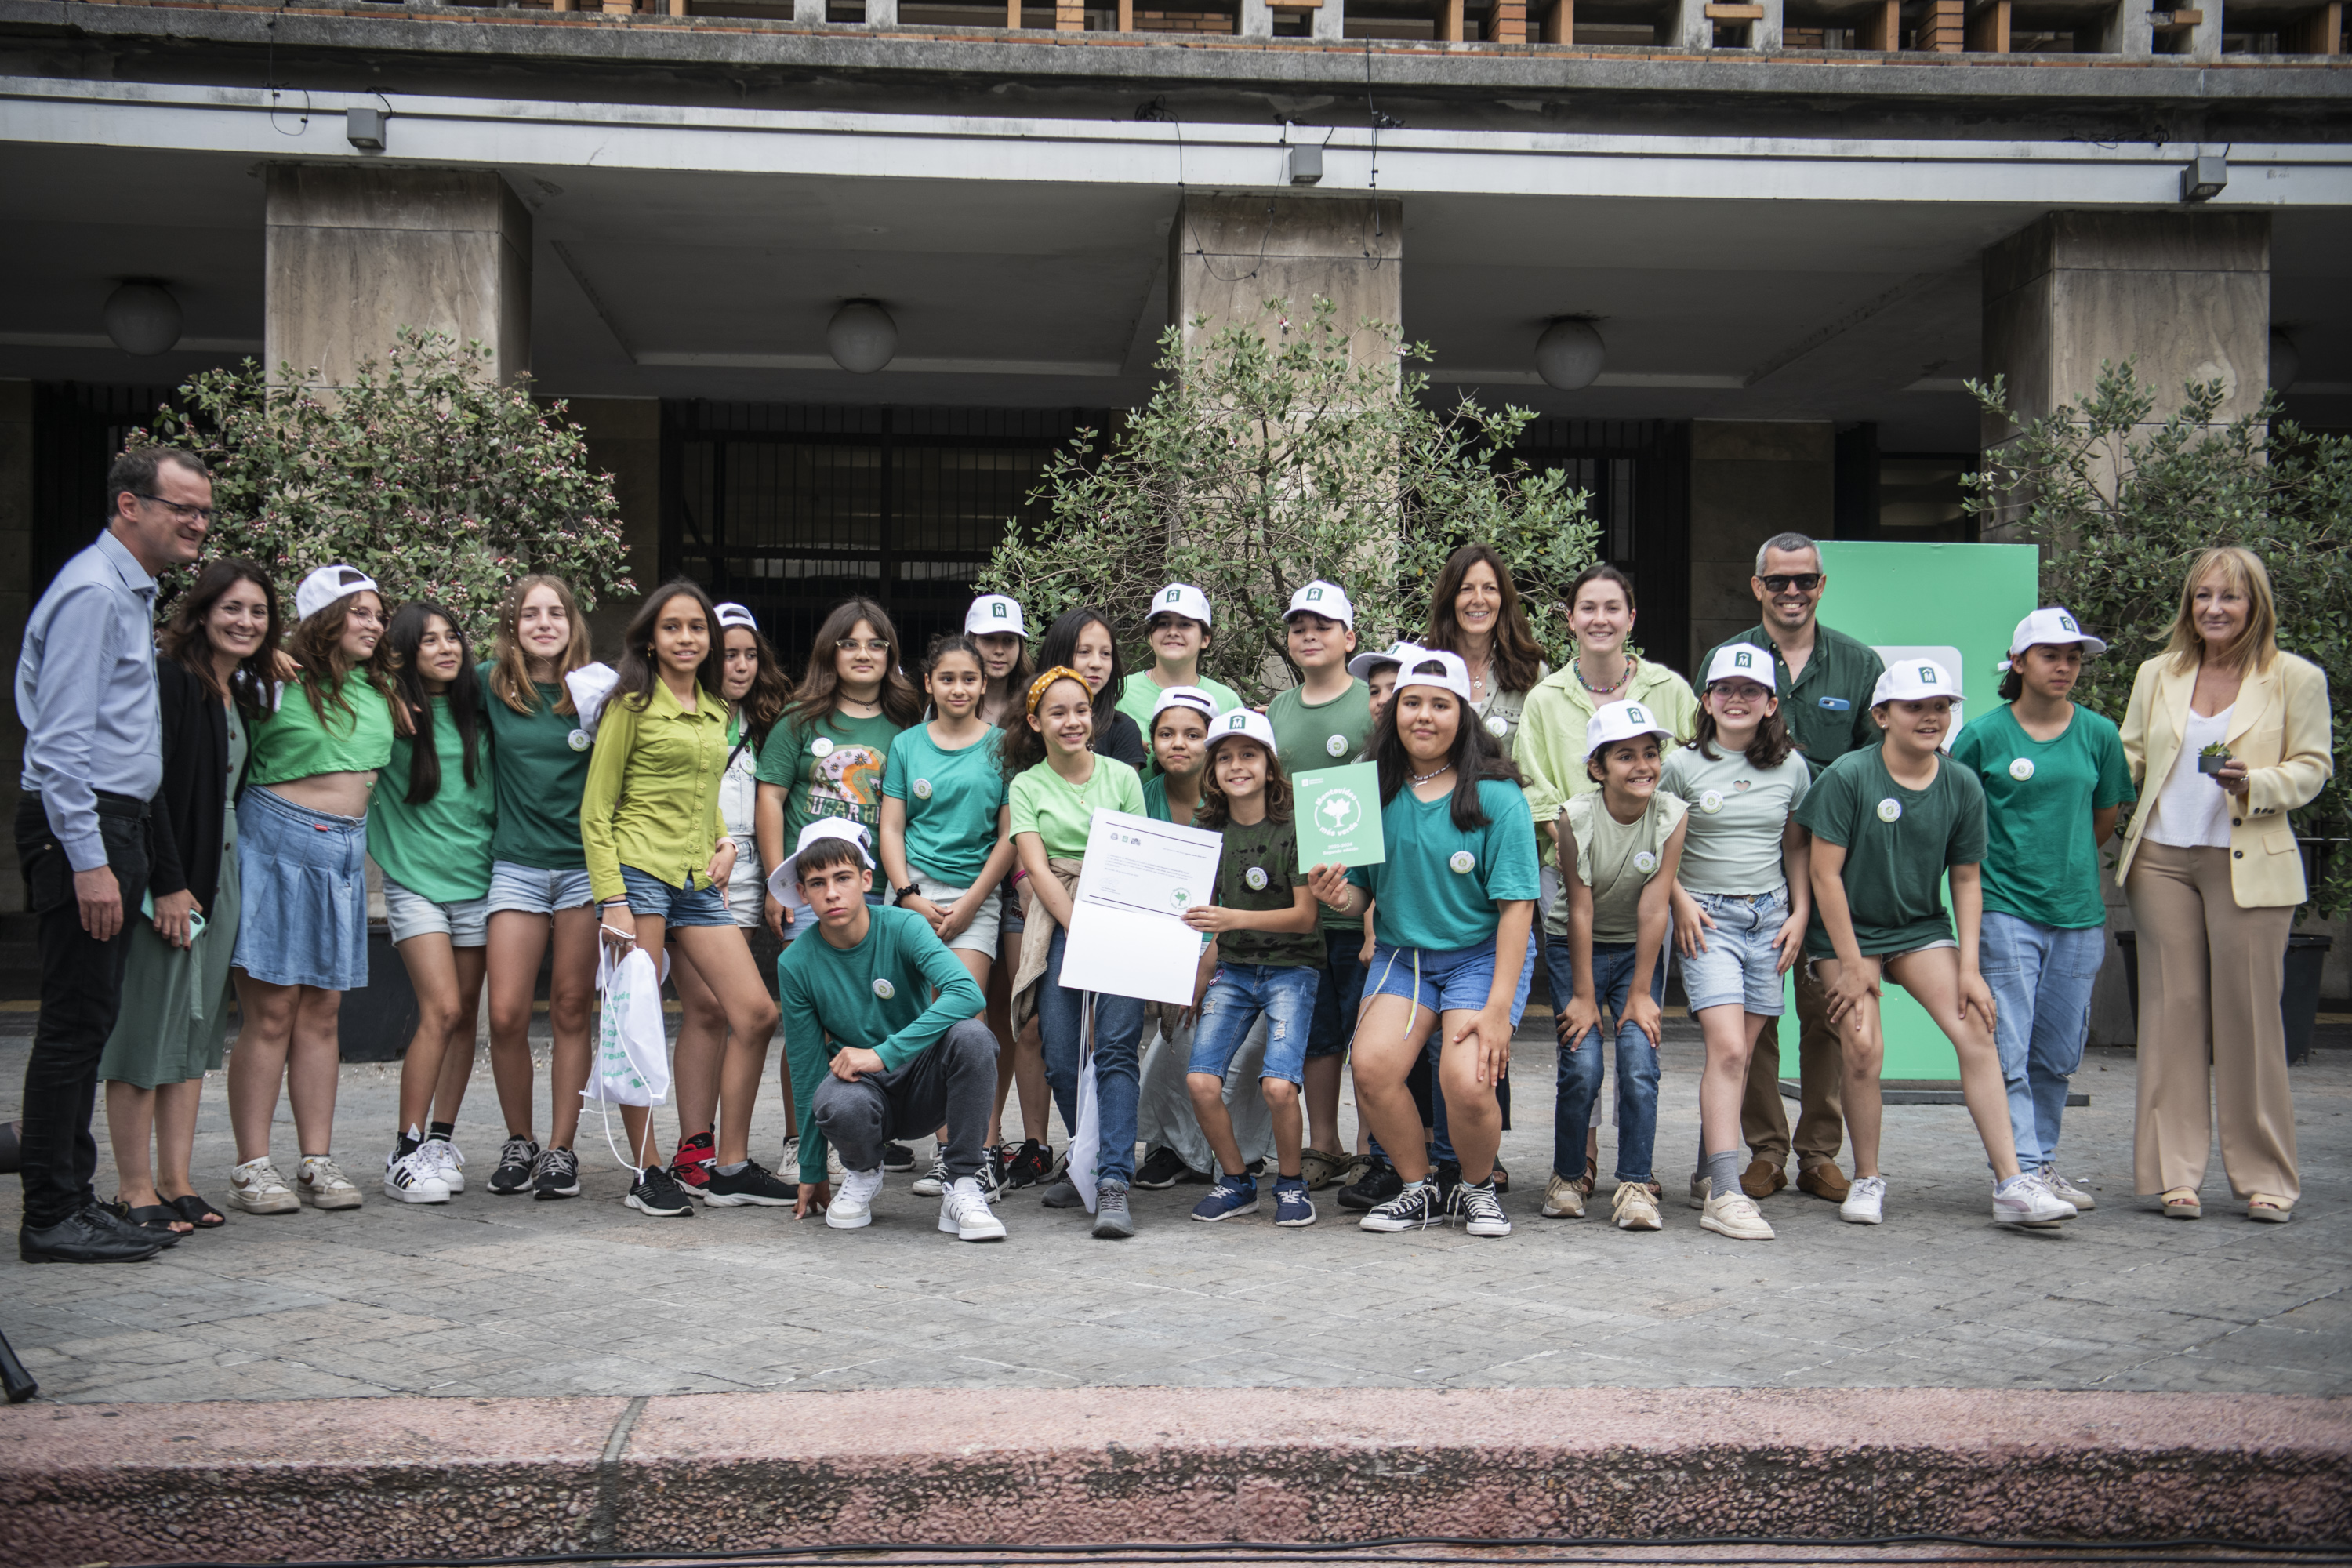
2210 1036
1821 1070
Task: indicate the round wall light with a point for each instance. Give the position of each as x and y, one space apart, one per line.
861 337
1569 354
2285 363
142 317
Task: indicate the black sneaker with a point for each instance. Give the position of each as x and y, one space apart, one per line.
1446 1177
559 1175
1479 1210
898 1157
1163 1168
1028 1166
1410 1209
752 1185
518 1157
657 1192
1377 1186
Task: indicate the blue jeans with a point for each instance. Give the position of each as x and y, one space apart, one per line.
1238 994
1581 1066
2040 978
1119 1034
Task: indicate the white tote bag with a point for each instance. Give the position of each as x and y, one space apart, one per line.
1086 1138
631 1044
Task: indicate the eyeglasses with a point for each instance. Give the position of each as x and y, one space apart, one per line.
871 644
1803 581
180 509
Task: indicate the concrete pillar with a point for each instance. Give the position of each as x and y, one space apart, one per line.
1229 254
2185 295
16 603
1690 27
1750 479
356 252
624 437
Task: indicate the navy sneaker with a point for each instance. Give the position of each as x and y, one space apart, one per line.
1292 1207
1230 1196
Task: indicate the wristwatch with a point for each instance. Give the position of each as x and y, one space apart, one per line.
911 890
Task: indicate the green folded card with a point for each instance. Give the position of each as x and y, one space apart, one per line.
1338 812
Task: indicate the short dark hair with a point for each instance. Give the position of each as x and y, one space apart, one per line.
133 473
824 855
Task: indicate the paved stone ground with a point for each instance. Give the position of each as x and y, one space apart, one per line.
508 1297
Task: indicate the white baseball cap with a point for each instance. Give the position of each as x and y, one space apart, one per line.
1740 661
782 880
1452 674
1247 724
1191 697
2055 625
1621 721
733 614
1178 599
1363 664
992 615
327 585
1914 680
1327 600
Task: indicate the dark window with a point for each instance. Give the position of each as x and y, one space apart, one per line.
77 427
1639 473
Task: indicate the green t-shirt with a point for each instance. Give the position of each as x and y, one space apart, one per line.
1062 814
952 801
1827 709
2040 862
295 743
1898 843
1256 873
1304 734
542 769
830 768
441 849
1141 694
1155 801
1439 887
1616 860
876 996
1738 815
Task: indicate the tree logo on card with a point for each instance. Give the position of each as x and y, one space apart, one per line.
1337 811
884 989
1336 746
1462 860
1256 877
2021 769
1180 897
1889 809
922 789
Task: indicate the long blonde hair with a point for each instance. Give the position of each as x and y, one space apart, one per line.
510 669
2256 646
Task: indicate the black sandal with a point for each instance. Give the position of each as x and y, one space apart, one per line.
155 1219
197 1211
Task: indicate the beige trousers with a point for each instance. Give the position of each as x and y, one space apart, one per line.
2211 1038
1820 1069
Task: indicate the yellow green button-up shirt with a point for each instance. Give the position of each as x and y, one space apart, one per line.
652 797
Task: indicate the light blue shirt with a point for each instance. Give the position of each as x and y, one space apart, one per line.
86 694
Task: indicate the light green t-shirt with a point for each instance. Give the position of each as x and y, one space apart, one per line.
1898 843
1616 860
2040 862
441 849
1061 814
295 743
953 799
1438 889
1738 815
1141 694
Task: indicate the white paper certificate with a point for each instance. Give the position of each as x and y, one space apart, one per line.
1127 936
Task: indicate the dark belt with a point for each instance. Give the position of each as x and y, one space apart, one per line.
110 804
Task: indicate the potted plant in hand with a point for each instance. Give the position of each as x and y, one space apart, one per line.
2214 759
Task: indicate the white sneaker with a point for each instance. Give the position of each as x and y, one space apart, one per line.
2073 1192
449 1163
1634 1208
853 1202
1703 1188
789 1167
324 1185
1734 1215
258 1188
1866 1203
2030 1202
414 1177
832 1170
932 1182
964 1212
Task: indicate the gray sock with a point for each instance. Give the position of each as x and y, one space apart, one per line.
734 1170
1723 1170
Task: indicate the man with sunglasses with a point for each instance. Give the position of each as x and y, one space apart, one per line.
1825 679
93 757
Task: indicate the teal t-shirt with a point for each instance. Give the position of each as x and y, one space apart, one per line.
953 800
1155 801
543 770
441 849
1062 814
1898 843
2040 862
1439 886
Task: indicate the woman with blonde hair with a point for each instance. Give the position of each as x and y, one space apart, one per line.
2225 734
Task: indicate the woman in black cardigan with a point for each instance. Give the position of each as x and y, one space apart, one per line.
210 684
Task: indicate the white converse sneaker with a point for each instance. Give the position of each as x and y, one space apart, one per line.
1866 1203
1734 1215
448 1162
853 1202
964 1212
2028 1201
414 1177
258 1188
324 1185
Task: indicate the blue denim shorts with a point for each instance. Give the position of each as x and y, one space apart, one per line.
1236 995
649 895
302 877
528 889
1454 982
1740 967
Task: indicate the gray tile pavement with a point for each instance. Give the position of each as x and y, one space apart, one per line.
505 1295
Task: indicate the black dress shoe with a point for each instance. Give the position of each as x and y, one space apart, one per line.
83 1237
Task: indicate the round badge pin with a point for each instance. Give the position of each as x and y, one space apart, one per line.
884 989
1337 746
1711 802
2021 769
922 789
1497 726
579 740
821 747
1256 877
1462 860
1889 809
1645 862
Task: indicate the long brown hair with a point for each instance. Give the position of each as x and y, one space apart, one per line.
1768 748
464 698
1215 810
317 646
819 692
638 667
1474 755
2254 648
1518 658
186 639
511 680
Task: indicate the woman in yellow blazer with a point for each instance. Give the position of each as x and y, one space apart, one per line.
2211 866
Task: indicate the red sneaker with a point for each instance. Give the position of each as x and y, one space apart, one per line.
691 1167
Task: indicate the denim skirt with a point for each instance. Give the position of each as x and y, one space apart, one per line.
304 880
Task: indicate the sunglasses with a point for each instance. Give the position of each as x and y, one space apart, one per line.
1803 581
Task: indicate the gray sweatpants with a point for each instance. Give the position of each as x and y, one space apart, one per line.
953 1082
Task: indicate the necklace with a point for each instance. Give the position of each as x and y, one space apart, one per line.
873 703
1618 685
1417 780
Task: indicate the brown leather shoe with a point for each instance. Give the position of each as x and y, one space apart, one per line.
1763 1178
1824 1181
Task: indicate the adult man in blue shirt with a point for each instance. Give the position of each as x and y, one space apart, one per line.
93 757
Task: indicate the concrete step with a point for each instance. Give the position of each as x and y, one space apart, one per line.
467 1478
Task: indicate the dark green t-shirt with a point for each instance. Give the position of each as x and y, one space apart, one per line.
1898 844
1304 737
542 770
2040 861
1256 874
441 849
830 768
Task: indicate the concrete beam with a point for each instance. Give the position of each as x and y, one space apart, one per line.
1228 255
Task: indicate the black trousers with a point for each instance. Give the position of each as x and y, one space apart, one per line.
81 992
